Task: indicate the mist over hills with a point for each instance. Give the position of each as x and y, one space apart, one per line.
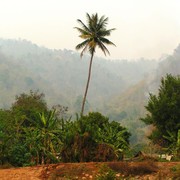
118 88
62 75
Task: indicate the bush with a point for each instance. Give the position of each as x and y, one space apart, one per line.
18 156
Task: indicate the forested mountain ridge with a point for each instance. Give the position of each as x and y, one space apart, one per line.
62 74
133 100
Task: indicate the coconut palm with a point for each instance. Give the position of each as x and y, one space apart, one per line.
94 34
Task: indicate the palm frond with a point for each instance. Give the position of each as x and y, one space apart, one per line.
89 21
82 31
82 45
85 36
92 22
106 41
104 32
103 48
95 21
83 25
85 49
102 23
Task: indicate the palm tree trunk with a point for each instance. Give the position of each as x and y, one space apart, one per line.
87 85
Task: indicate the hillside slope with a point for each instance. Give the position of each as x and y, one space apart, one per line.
62 75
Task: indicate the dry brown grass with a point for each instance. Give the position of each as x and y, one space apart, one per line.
140 168
175 172
72 171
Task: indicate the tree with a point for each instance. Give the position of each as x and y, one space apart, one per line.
7 133
94 34
28 105
164 111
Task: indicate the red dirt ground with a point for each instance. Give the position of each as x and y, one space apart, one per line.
82 171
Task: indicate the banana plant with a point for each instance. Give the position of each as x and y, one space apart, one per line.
174 143
48 130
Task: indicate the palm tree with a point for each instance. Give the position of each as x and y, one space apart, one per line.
94 34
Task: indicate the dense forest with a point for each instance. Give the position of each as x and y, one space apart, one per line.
119 88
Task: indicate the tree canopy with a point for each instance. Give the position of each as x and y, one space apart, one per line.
164 110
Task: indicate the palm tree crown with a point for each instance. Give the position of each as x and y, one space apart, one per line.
94 34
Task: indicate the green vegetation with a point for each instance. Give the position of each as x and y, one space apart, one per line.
105 173
24 137
94 138
164 114
31 134
94 34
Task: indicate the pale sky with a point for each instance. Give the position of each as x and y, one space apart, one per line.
144 28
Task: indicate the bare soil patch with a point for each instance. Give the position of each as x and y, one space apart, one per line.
65 171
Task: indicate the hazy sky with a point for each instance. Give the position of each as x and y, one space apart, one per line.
145 28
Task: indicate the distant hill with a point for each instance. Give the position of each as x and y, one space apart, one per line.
62 75
135 97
